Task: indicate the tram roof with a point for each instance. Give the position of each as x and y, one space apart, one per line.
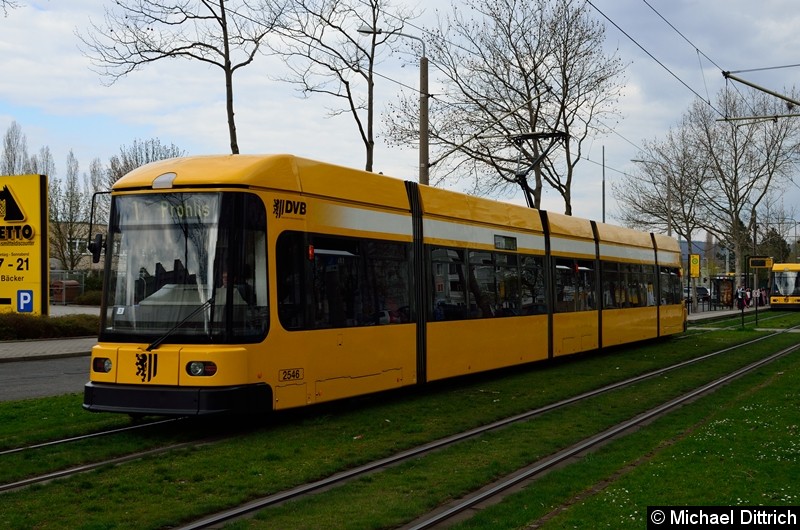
278 171
285 172
295 174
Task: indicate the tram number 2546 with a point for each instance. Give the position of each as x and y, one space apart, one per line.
291 374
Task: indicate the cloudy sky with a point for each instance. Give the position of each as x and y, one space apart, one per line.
47 87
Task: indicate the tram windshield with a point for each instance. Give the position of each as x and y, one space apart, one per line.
785 283
186 267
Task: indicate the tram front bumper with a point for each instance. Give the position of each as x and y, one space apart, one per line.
176 401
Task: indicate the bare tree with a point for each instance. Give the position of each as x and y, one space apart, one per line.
776 226
139 153
69 216
664 194
510 68
7 5
226 34
43 163
15 159
714 175
325 55
130 157
746 161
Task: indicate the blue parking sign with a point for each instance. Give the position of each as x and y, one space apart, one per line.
25 301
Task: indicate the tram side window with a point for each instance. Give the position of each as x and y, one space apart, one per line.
487 285
649 284
482 285
613 293
670 286
292 271
534 299
243 265
449 279
632 278
509 302
334 282
628 285
387 272
574 285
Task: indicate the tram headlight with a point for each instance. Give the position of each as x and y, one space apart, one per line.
201 368
102 364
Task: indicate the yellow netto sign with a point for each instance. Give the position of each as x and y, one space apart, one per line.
24 271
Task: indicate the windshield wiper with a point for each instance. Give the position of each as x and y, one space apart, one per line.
156 343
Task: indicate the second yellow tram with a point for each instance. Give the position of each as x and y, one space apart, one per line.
785 286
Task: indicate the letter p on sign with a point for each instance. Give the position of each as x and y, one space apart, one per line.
25 301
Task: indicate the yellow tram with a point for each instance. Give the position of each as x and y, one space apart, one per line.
255 283
785 286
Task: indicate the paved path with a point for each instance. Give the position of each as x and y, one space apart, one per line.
50 348
45 349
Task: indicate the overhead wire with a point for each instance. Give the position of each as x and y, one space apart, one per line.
763 69
700 54
653 57
589 2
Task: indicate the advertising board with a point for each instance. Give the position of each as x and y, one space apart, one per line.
24 271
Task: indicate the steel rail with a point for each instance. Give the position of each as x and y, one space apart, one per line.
88 436
589 443
340 478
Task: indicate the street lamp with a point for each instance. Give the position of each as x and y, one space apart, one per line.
424 166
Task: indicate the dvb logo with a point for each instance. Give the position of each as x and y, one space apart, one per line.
281 207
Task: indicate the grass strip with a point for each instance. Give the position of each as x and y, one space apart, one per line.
739 446
403 493
160 491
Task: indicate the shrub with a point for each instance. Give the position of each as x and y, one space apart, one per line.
89 298
17 326
93 281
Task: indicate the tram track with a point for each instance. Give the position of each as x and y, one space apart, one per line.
338 479
65 473
497 491
486 494
48 476
698 328
84 437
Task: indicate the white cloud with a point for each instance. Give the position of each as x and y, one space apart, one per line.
48 88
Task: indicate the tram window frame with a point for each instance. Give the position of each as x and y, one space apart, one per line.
628 284
613 296
649 284
328 281
171 270
574 285
484 284
670 286
631 274
446 303
533 284
482 291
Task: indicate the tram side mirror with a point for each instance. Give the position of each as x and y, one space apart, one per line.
96 247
